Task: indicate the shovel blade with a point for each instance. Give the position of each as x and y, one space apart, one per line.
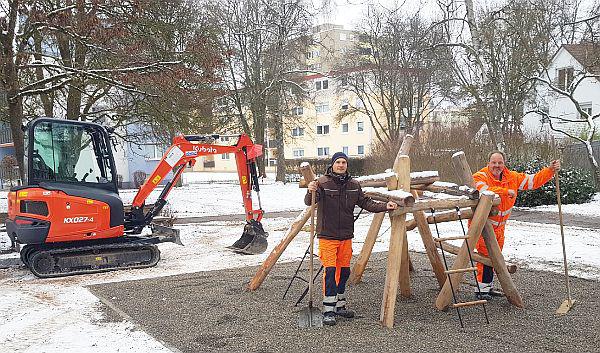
565 306
310 317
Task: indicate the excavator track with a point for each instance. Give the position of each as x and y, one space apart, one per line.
66 261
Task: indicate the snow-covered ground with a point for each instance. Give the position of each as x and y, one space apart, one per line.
61 315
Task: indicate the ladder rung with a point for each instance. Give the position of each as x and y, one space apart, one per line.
476 302
439 240
460 270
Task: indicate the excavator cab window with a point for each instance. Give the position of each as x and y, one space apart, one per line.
70 153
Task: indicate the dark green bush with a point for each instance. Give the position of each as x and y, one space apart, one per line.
576 186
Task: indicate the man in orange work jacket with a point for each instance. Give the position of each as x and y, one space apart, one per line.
337 194
506 183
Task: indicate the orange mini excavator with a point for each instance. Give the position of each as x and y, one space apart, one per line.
69 213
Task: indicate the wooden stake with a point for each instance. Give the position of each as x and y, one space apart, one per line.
396 271
268 264
494 253
432 253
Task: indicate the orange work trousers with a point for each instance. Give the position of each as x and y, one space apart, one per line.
335 253
482 249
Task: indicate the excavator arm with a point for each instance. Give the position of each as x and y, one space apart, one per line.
184 151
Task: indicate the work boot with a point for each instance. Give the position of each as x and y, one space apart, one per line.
329 318
343 312
483 296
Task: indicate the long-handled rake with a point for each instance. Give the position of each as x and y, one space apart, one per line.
568 303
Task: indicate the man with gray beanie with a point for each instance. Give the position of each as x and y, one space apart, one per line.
337 194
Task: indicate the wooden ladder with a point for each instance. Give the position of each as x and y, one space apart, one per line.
458 305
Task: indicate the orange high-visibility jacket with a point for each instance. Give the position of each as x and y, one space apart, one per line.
511 180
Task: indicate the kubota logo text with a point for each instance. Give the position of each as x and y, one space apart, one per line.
69 220
205 149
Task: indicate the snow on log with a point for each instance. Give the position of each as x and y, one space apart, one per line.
450 188
401 197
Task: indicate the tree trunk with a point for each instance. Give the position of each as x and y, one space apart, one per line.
281 165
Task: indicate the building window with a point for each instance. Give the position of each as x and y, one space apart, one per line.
565 78
321 85
322 108
322 129
343 80
323 151
345 150
345 105
153 152
224 155
586 107
224 138
272 162
360 126
298 152
359 103
298 131
344 127
364 51
297 111
361 150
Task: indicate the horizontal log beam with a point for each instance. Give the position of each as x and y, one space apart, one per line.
439 204
407 200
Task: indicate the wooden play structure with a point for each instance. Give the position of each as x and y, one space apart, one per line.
416 193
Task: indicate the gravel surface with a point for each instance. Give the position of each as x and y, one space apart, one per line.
211 312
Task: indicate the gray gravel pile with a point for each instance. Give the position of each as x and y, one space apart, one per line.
211 312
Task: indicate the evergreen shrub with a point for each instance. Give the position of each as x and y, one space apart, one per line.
576 186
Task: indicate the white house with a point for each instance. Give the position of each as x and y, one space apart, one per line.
571 63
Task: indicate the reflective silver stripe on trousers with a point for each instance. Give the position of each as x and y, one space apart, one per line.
484 287
341 300
329 303
497 224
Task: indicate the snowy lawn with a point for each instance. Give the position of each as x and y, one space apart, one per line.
60 315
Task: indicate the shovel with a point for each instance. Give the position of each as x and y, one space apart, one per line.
568 303
311 316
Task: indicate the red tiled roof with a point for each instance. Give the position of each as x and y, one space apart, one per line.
587 54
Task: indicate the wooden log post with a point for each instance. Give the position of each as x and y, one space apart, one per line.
480 215
391 183
268 264
293 230
430 249
495 253
397 271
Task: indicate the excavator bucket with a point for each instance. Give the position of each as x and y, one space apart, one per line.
253 241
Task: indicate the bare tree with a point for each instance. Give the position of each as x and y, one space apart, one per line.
495 50
261 39
394 74
75 57
568 89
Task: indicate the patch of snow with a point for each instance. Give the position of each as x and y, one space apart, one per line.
425 174
380 176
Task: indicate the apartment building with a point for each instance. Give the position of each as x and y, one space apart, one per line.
314 128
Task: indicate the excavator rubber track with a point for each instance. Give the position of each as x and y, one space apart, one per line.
66 261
